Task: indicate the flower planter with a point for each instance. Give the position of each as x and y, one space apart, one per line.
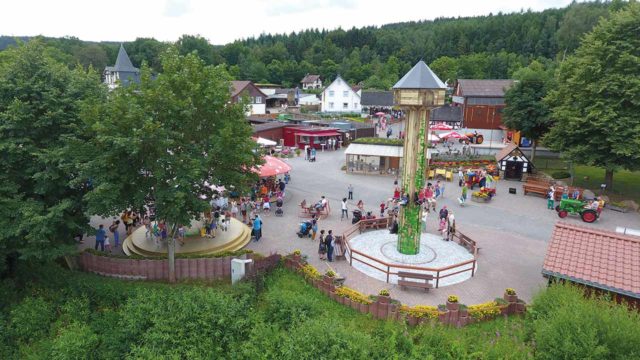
364 308
453 306
355 305
511 298
442 317
383 299
617 208
480 199
412 320
520 307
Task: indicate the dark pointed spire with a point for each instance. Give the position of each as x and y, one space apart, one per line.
420 77
123 63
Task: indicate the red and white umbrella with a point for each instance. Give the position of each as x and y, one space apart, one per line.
452 134
434 138
380 113
272 167
437 127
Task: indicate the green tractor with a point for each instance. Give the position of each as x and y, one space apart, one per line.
576 207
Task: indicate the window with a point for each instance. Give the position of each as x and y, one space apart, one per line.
345 105
330 105
331 92
258 100
355 105
345 93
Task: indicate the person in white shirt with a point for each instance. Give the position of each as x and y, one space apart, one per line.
345 210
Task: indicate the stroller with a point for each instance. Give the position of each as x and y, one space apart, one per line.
305 229
357 216
279 211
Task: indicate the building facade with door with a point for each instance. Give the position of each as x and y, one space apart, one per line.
512 163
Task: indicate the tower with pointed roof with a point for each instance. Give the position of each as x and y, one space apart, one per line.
123 72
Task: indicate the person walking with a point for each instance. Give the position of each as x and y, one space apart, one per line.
147 225
116 235
437 189
329 243
550 200
444 212
463 196
100 235
322 247
345 210
451 226
425 214
314 227
257 228
350 190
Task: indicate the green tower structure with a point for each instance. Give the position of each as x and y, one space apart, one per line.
416 93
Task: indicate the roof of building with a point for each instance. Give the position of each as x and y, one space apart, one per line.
123 63
420 77
446 113
310 78
237 86
268 126
505 151
377 98
374 150
597 258
356 88
484 88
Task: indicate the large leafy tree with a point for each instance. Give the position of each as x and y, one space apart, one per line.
525 109
597 99
41 206
165 139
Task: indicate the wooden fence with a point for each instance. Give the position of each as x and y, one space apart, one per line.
392 269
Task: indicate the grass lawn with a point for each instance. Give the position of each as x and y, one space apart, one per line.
626 183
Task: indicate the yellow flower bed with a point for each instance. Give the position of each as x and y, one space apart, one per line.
485 311
421 311
353 295
309 272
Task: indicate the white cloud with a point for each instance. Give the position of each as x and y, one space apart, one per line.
225 21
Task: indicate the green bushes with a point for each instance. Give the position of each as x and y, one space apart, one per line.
69 315
560 175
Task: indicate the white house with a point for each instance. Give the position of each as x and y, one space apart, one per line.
311 82
340 97
308 99
257 99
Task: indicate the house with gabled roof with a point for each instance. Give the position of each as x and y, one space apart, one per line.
340 97
123 72
257 98
311 82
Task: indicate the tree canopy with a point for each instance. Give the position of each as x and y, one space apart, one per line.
597 98
41 206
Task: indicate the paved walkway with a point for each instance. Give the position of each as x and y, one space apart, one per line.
512 230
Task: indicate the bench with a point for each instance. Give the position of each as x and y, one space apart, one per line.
424 282
468 243
309 211
535 188
570 190
377 223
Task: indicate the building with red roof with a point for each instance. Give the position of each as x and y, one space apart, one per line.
598 259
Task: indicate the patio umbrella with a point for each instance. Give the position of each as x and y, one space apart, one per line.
265 142
437 127
380 113
272 166
434 138
452 134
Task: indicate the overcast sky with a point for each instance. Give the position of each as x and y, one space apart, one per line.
222 21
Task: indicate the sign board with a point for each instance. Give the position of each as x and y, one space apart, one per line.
458 99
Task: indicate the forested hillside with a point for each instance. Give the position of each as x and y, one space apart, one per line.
491 46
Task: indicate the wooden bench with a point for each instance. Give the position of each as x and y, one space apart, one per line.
535 188
309 211
570 190
423 284
468 243
377 223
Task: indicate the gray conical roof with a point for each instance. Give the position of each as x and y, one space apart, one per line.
420 77
123 63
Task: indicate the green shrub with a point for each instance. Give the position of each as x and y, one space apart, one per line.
77 341
31 319
560 175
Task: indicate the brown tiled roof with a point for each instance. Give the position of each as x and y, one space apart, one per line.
310 78
268 126
505 151
237 86
484 88
598 258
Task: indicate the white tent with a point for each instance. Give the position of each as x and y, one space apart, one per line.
265 142
434 137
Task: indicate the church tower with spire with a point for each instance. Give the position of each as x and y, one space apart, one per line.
123 72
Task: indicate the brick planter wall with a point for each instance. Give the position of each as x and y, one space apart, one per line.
384 308
186 269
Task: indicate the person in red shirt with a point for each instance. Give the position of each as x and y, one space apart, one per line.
382 208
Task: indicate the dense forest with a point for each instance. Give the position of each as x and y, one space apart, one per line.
491 46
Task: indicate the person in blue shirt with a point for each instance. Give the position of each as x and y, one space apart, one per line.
257 228
100 236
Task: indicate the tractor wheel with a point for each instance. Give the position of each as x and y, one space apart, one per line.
479 139
557 208
563 213
589 216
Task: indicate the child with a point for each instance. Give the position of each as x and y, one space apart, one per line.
266 205
181 234
445 234
382 208
107 244
156 234
147 225
213 226
224 225
443 224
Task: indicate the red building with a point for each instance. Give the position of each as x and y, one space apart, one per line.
482 102
312 136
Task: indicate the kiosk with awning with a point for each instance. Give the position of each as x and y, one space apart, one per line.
373 158
301 137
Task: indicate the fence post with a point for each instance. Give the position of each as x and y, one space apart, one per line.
437 278
387 274
473 269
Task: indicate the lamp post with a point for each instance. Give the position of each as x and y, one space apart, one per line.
417 93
